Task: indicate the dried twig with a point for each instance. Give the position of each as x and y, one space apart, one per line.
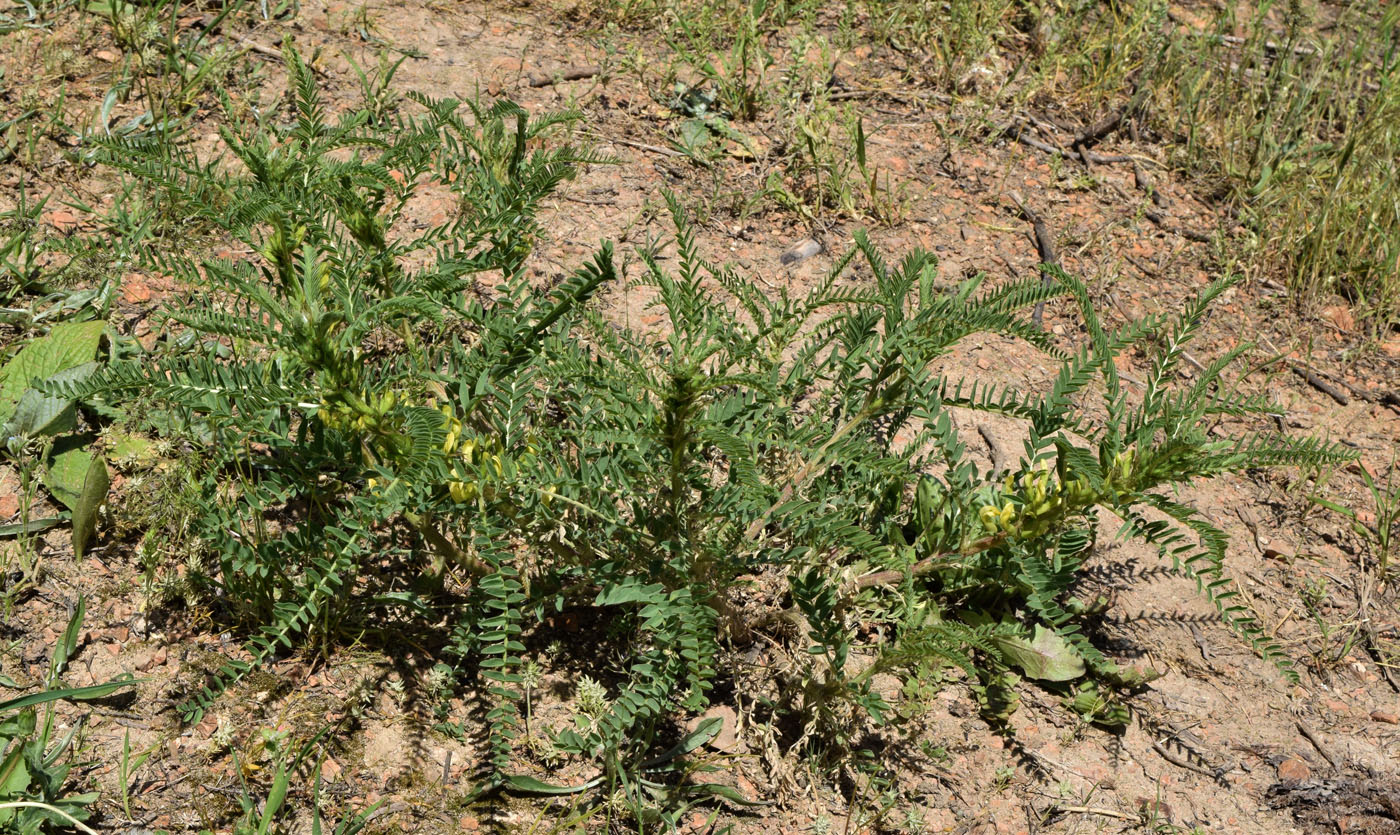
1385 398
1094 133
1181 762
261 49
1270 46
543 79
272 52
1189 234
655 149
1013 130
1044 244
1316 743
1111 123
1320 384
1373 641
1095 810
1145 184
999 457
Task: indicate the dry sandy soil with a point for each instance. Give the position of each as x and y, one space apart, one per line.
1221 743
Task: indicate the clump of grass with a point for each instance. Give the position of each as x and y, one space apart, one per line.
1288 115
1305 132
1295 124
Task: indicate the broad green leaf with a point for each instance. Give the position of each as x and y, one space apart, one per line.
109 8
629 592
727 792
37 415
529 785
67 345
1047 657
32 526
72 694
703 733
68 642
130 449
275 797
67 468
695 135
94 493
14 774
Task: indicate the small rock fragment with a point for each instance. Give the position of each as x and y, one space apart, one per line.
800 251
61 219
1294 770
159 657
727 739
1389 717
1341 316
330 769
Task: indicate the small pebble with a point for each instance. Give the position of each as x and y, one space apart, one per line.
1294 770
800 251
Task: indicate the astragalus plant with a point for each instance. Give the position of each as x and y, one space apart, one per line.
391 447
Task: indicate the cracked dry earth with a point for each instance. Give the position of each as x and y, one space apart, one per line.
1221 743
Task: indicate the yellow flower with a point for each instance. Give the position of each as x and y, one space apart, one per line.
988 515
1007 514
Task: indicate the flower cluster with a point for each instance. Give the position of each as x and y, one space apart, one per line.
1034 502
471 458
359 413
